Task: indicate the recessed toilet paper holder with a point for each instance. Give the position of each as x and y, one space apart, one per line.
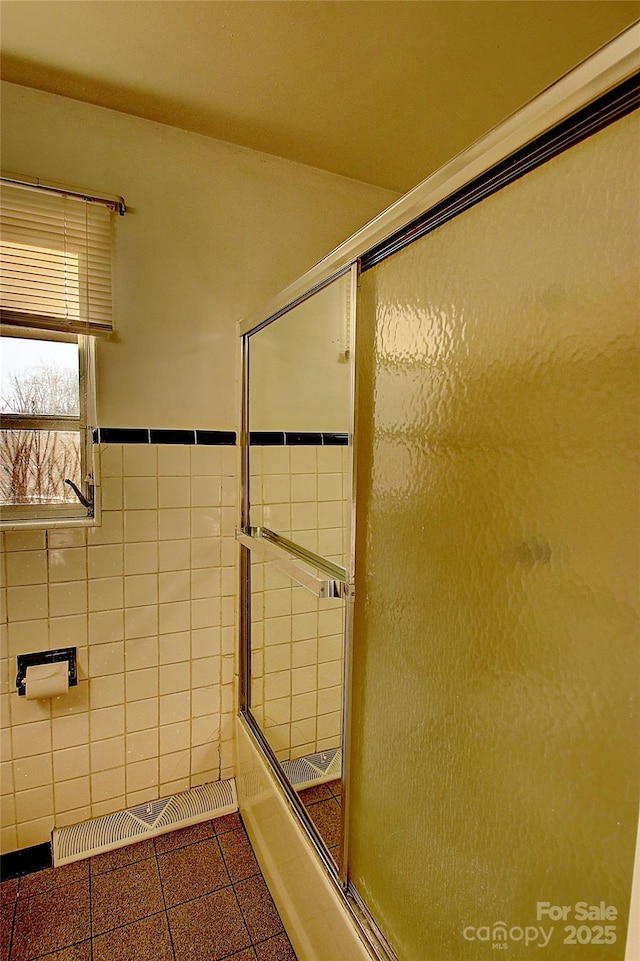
46 657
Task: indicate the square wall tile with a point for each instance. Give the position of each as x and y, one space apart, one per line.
175 737
205 612
107 754
175 707
31 772
140 525
205 730
141 558
174 648
26 567
34 804
304 460
107 722
30 739
106 659
110 806
174 491
106 594
206 460
141 621
141 652
141 685
206 521
35 832
142 745
25 541
140 493
68 631
106 785
174 524
72 762
139 460
106 626
70 731
140 590
174 678
110 530
174 586
206 491
69 795
142 776
75 701
69 597
174 555
28 603
174 617
27 636
142 715
23 710
205 642
175 766
174 459
110 460
111 493
205 701
106 691
205 552
105 560
68 564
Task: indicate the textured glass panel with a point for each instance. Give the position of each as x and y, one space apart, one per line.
495 726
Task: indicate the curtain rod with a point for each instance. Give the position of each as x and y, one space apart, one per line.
35 183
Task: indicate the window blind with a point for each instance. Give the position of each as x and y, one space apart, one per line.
55 260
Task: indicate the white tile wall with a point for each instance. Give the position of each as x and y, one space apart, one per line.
148 598
297 640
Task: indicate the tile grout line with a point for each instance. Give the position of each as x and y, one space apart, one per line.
233 887
239 831
164 902
90 910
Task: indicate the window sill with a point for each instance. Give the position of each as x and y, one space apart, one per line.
44 523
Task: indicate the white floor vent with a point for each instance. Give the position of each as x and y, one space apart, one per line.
314 768
144 821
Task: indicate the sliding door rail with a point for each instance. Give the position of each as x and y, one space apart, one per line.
612 106
580 92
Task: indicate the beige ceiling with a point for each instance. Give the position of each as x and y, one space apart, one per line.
381 91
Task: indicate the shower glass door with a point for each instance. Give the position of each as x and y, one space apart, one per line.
494 754
296 532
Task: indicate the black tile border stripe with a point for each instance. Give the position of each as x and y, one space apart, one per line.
218 438
335 440
300 438
16 864
121 435
226 438
172 436
267 438
281 438
151 435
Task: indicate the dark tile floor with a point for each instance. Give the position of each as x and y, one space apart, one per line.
193 895
323 804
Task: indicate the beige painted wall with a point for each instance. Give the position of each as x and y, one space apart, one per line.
149 598
213 231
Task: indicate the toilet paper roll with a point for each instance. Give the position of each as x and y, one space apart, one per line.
47 680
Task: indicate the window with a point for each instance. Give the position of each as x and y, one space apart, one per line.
46 467
55 297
